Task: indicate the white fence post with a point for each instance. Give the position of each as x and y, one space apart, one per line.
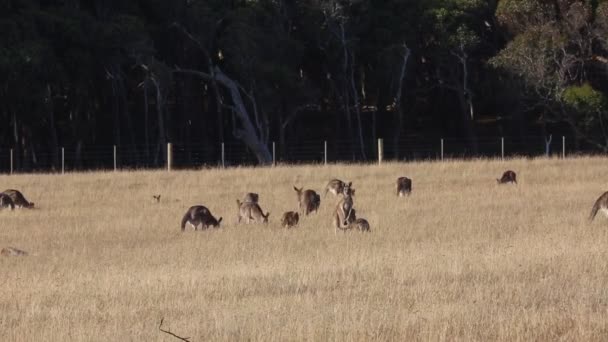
169 156
223 156
62 160
11 161
380 151
502 148
325 151
274 154
563 146
441 149
114 150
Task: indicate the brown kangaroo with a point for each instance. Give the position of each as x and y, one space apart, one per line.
12 251
344 209
157 198
251 197
600 204
290 219
199 214
404 186
251 212
508 177
360 224
308 200
335 186
18 199
6 202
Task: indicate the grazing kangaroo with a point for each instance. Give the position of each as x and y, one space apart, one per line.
360 224
404 186
344 209
18 198
251 212
308 200
157 198
251 197
600 204
335 186
12 251
6 202
199 214
508 177
290 219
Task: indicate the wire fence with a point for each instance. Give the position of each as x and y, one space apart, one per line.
190 156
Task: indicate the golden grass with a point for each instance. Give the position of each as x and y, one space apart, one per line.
461 259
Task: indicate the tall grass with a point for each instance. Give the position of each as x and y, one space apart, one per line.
461 259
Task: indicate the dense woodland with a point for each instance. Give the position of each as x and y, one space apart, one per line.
138 74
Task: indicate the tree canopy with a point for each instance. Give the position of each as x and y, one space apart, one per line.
139 74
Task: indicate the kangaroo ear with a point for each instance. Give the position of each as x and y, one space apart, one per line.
267 214
296 189
220 220
350 183
352 192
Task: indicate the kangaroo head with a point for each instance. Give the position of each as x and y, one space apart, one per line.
299 191
265 220
217 223
156 197
296 216
30 205
238 203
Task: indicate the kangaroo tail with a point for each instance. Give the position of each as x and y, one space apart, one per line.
594 210
185 220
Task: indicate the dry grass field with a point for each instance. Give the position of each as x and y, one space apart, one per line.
461 259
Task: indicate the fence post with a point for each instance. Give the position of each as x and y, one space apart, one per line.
11 161
502 148
169 156
62 160
563 146
325 151
441 149
114 150
380 151
223 157
274 154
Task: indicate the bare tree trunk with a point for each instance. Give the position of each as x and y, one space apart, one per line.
247 133
146 119
162 138
398 99
357 105
54 140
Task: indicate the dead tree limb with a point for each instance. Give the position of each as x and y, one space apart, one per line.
187 339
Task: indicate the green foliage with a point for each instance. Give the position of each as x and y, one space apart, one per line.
584 98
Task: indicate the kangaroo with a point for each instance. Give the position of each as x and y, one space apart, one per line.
344 209
6 201
508 177
360 224
12 251
157 198
290 219
251 197
335 186
308 200
251 212
199 214
404 186
600 204
18 199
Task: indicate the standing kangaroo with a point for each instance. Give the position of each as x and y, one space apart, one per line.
18 199
308 200
335 186
199 214
251 212
600 204
404 186
508 177
344 209
6 202
251 197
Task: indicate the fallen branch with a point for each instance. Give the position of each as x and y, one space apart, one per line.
187 339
